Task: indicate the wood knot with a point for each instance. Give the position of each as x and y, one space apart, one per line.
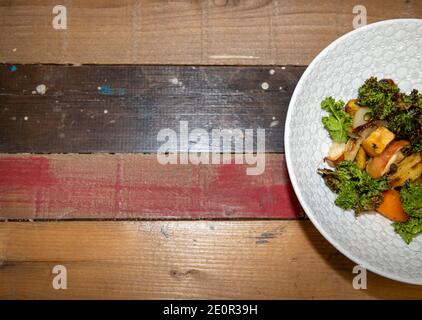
180 274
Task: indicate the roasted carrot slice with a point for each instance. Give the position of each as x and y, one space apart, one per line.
392 207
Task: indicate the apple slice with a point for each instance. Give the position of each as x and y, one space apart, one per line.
380 165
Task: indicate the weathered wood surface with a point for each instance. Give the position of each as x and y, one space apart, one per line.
264 32
184 260
131 186
123 108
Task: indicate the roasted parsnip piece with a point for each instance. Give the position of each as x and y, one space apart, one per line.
361 159
377 141
352 107
409 169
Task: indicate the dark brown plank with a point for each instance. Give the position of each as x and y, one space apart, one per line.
102 108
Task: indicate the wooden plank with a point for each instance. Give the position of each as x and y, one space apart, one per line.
211 32
137 186
186 260
123 108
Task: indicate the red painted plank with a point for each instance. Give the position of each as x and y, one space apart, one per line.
93 186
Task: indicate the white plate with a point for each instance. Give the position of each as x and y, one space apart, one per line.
387 49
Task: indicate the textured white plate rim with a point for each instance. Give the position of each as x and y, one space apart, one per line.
292 176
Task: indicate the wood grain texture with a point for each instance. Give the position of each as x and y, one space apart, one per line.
123 108
281 32
138 186
203 259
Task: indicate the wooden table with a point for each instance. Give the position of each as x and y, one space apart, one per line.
80 182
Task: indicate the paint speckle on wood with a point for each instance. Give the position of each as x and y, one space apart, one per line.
272 71
105 89
41 89
108 90
274 123
265 85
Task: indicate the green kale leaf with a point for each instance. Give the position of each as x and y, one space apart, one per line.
355 188
402 124
409 229
417 145
411 197
338 122
401 112
379 96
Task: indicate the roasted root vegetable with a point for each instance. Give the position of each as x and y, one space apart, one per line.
352 107
361 159
377 141
391 207
380 165
409 169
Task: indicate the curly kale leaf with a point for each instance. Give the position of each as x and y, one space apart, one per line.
402 112
409 229
379 96
411 197
338 122
417 146
402 124
355 188
414 99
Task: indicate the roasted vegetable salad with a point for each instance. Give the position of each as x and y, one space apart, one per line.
376 154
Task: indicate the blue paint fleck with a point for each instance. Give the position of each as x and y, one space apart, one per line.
106 89
13 68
